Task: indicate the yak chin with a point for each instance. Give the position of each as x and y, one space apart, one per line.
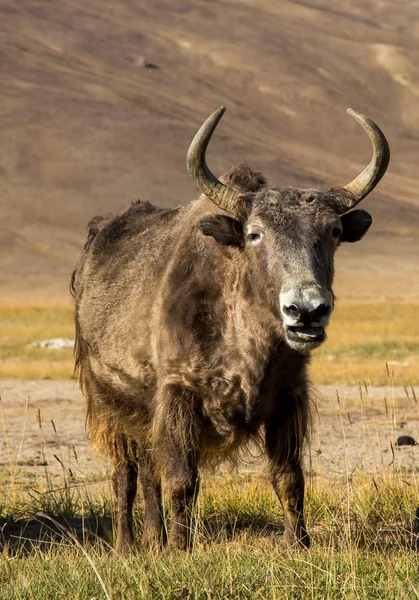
304 339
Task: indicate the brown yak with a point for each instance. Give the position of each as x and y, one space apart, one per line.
194 327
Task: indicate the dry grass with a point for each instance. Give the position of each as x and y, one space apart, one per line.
362 339
21 328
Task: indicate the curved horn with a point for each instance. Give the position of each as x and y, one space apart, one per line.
222 195
366 181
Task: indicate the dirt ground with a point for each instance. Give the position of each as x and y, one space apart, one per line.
356 434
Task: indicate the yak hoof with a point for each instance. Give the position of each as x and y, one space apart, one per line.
291 542
126 547
153 542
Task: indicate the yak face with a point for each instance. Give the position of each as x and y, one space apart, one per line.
289 237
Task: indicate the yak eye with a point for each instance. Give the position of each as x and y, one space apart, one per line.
254 236
336 232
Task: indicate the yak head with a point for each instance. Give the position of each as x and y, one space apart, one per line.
289 236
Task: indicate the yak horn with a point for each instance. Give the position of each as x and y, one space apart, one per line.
222 195
362 185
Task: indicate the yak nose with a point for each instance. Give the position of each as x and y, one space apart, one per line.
306 315
307 306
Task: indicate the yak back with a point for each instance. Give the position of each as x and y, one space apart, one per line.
144 233
149 266
142 215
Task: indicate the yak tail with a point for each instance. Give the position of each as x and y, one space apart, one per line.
101 438
73 283
80 351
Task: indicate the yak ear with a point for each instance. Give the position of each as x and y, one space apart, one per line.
355 225
225 230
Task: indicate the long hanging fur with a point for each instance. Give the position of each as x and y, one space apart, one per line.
109 418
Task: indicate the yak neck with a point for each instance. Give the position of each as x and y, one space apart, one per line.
252 326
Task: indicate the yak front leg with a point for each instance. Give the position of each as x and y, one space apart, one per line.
154 534
288 483
124 480
285 433
183 484
178 447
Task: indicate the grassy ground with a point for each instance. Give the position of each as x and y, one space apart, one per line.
369 341
21 328
361 533
362 339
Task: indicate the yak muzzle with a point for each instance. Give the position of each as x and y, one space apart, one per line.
305 313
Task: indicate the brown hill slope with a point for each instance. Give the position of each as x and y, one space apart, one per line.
88 126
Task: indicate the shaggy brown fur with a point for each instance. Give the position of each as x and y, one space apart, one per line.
180 346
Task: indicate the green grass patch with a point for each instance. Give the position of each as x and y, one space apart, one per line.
237 573
362 547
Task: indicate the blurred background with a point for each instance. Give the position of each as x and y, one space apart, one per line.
100 99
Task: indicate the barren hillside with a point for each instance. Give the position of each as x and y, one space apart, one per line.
100 100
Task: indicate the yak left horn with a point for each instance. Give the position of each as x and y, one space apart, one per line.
366 181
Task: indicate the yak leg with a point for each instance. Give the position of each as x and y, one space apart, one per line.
183 484
288 483
154 534
124 480
178 439
285 434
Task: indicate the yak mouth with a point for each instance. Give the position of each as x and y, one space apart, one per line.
303 338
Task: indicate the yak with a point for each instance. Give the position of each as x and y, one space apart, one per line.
194 328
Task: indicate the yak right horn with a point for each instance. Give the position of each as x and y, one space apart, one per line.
221 194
